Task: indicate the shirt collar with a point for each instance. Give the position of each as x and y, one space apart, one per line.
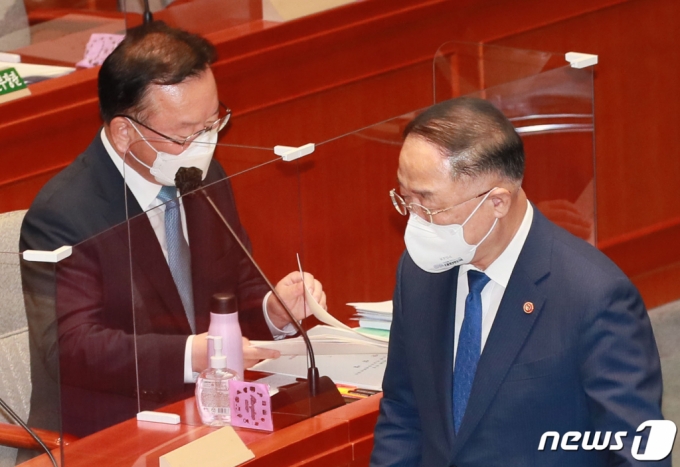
501 269
144 191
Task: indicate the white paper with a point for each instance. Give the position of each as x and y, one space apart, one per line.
29 69
376 307
326 340
297 346
375 324
364 371
325 317
275 381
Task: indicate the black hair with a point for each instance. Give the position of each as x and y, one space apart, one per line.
153 53
474 135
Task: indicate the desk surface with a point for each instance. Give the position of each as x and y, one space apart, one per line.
343 436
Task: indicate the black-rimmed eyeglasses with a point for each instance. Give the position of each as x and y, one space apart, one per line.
217 125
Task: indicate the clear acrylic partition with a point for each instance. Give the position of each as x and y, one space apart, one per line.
319 112
198 16
28 338
551 105
98 386
330 207
461 68
122 327
266 191
353 237
56 33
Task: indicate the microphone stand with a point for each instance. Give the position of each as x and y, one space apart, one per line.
322 391
147 16
312 371
23 425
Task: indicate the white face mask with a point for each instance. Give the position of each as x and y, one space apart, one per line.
198 154
438 248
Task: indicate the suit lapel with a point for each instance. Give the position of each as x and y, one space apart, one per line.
435 296
151 266
134 231
511 326
442 331
205 250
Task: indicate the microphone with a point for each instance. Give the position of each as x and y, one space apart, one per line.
323 393
21 423
147 16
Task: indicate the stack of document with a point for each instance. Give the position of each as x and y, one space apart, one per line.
374 316
343 355
31 73
327 340
360 370
347 355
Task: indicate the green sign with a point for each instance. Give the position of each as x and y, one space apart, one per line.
10 81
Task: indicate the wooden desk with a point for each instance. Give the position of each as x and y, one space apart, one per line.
340 437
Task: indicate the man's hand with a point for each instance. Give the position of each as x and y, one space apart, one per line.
251 355
291 290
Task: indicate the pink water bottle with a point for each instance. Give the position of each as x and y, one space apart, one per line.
224 323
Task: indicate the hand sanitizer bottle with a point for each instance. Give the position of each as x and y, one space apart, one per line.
212 388
224 322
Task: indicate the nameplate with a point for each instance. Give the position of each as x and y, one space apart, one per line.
12 86
221 448
286 10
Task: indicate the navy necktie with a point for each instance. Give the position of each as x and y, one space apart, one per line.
179 256
469 346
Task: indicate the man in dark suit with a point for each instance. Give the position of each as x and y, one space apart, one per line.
132 302
505 326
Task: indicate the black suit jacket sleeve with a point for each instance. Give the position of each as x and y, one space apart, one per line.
620 367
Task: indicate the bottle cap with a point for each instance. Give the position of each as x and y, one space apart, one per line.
224 303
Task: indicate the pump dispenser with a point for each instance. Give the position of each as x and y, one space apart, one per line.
224 323
212 388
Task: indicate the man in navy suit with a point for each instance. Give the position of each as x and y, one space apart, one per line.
505 326
131 334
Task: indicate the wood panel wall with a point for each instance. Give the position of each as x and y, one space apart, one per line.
637 160
321 76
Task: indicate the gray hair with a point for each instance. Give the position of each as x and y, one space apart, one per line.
474 135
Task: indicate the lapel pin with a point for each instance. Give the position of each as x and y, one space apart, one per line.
528 308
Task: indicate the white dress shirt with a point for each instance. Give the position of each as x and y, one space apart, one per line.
499 272
146 194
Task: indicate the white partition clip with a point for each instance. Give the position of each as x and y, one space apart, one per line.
55 256
10 57
288 153
158 417
579 60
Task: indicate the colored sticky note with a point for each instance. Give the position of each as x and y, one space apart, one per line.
98 48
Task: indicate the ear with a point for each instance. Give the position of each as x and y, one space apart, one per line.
121 134
501 198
